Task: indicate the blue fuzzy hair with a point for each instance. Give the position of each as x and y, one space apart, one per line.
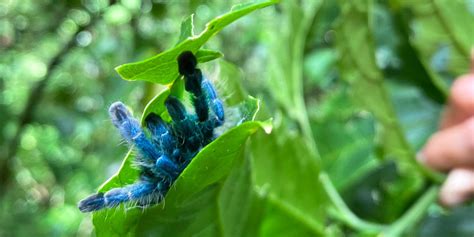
163 150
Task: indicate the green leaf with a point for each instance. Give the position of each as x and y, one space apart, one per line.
213 162
157 105
445 19
163 68
441 34
187 28
345 135
241 209
282 220
285 167
415 113
396 41
359 68
206 55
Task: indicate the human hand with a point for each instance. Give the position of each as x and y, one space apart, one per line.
451 149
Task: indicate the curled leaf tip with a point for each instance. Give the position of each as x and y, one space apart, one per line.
267 126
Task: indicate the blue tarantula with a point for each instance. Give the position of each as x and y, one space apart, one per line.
169 148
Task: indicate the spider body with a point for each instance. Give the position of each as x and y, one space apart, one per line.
164 150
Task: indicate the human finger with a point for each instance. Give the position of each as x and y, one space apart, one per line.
461 102
458 187
450 148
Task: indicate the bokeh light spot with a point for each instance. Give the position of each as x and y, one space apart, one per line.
28 142
84 38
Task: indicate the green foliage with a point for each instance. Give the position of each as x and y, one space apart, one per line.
163 68
363 76
211 164
354 90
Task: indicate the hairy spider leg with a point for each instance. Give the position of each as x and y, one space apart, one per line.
186 63
162 183
130 129
135 192
199 97
204 96
185 127
209 97
162 135
214 102
165 165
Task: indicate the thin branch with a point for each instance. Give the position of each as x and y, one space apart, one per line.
414 214
342 211
396 229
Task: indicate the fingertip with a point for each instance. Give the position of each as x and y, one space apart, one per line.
462 94
458 187
461 99
450 148
432 154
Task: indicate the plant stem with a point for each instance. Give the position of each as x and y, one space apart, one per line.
343 213
412 216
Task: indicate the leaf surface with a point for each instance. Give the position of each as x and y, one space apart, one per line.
163 68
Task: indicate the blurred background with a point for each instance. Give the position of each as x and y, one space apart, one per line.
57 80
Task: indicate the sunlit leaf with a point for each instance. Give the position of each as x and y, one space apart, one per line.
163 68
187 28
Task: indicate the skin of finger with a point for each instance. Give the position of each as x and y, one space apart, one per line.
458 187
450 148
461 102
